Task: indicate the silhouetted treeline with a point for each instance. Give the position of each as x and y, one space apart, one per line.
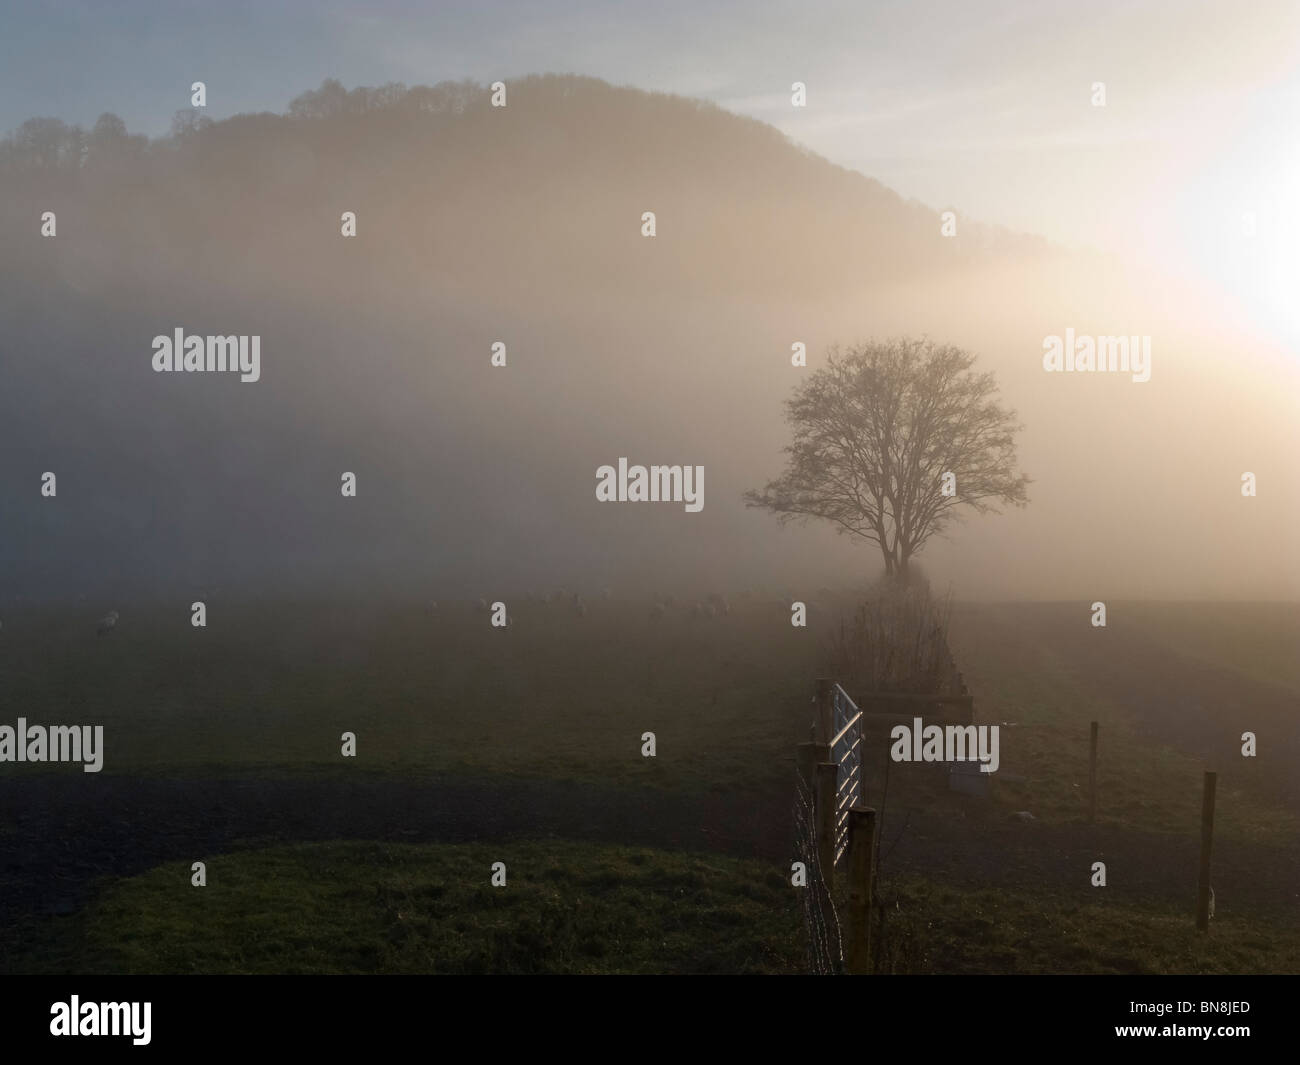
443 183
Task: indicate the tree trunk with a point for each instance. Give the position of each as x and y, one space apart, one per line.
904 570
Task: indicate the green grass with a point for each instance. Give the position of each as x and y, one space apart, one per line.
1142 784
578 908
931 927
389 908
272 689
269 691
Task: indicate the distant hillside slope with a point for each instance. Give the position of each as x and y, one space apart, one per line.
453 192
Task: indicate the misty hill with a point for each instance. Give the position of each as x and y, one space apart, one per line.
477 198
522 225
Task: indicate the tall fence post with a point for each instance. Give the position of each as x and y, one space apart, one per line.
827 772
824 719
862 850
1092 775
808 759
1207 841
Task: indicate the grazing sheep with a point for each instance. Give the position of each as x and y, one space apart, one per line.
106 623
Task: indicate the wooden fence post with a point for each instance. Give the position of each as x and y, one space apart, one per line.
1207 840
809 756
827 772
1092 775
824 716
862 850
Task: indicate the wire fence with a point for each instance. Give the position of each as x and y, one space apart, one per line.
821 921
814 830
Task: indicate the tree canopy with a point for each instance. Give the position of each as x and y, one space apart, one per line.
890 440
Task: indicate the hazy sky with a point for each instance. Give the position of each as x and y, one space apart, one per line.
989 115
986 107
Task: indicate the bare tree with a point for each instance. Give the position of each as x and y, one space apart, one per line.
878 431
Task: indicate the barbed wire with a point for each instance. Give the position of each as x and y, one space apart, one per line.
822 933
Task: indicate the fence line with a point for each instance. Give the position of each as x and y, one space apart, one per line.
834 826
821 920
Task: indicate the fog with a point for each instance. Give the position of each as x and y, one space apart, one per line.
523 225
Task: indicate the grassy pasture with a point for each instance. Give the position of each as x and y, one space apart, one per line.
273 688
395 908
265 692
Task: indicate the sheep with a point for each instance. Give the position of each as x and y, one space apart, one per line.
106 623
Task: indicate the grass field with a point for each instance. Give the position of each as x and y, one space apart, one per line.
394 908
273 688
523 745
1050 675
